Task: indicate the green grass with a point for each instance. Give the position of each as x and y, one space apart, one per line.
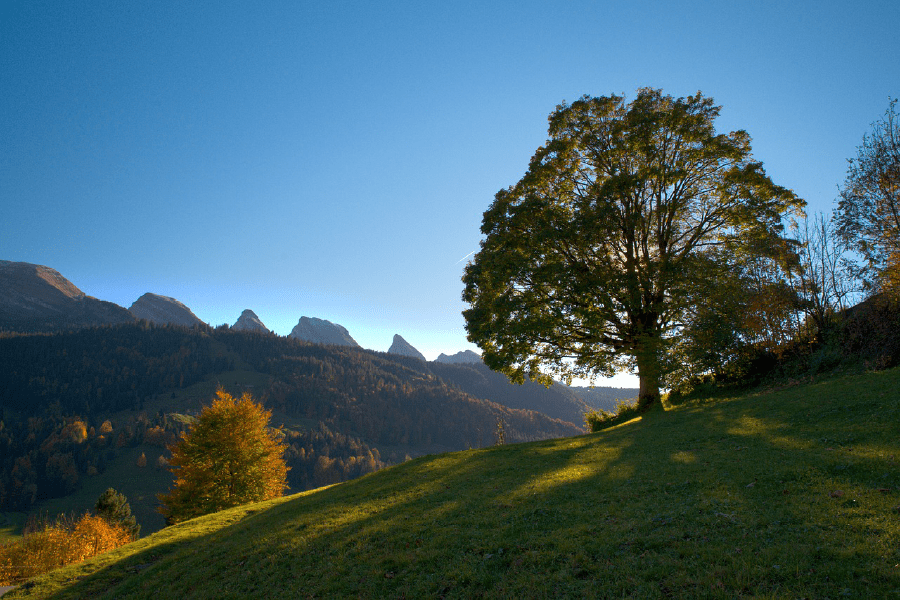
784 494
11 524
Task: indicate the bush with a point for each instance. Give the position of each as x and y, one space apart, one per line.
47 546
625 410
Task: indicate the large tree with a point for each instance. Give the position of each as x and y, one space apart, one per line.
229 457
868 212
628 224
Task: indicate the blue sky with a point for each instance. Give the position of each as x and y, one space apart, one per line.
333 159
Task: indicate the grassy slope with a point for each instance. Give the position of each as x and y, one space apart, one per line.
791 493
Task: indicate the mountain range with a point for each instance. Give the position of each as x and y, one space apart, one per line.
464 356
38 299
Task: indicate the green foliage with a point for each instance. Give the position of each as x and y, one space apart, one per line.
229 457
114 507
616 243
597 420
863 337
868 212
785 494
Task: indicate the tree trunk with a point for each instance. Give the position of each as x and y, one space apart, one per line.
648 374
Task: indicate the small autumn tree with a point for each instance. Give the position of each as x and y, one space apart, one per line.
229 457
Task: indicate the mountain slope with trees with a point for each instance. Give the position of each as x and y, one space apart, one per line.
557 401
75 404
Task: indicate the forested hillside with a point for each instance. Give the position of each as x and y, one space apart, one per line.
558 401
72 403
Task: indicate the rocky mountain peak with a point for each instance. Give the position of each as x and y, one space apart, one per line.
36 281
163 310
248 321
38 298
320 331
404 348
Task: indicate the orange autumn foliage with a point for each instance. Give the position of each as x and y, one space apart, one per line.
228 457
53 545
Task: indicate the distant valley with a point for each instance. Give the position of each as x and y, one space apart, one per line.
88 387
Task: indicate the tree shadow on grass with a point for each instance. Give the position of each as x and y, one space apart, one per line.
734 498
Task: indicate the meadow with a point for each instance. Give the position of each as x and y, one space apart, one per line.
790 492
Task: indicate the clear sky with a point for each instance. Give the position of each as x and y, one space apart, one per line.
333 159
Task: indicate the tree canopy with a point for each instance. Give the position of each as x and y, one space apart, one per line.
868 212
632 224
229 457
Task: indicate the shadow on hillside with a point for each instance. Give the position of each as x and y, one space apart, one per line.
757 472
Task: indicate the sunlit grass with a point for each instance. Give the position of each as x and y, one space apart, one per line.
793 493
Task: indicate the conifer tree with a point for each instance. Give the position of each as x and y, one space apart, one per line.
114 507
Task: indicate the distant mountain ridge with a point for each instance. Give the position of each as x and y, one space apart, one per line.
464 356
36 298
163 310
605 398
39 299
558 401
404 348
320 331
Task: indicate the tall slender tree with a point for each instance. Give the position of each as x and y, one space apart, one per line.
626 222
